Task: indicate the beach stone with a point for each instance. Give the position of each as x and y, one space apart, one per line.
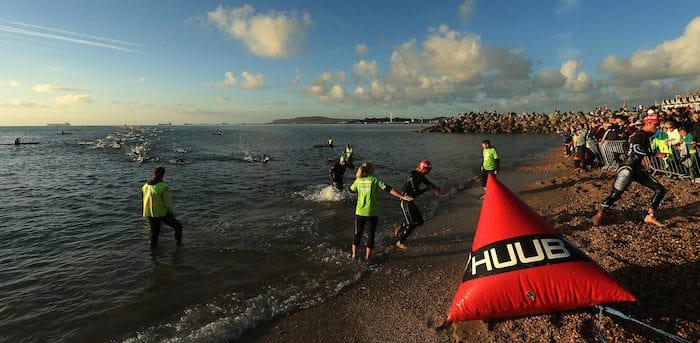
471 331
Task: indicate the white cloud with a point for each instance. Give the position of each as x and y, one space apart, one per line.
466 9
46 88
271 35
361 49
220 98
139 79
575 82
11 83
71 99
364 69
675 58
328 87
229 81
448 53
566 7
252 81
451 69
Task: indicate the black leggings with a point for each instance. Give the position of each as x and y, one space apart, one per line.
360 229
485 176
169 219
641 177
413 218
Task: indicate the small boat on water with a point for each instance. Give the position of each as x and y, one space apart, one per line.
20 143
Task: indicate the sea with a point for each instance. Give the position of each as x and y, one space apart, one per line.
264 233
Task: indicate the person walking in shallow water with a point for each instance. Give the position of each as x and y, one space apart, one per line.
491 163
366 186
411 212
158 207
632 169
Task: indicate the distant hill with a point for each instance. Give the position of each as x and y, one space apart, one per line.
309 120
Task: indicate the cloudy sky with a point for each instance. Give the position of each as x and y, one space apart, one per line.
145 62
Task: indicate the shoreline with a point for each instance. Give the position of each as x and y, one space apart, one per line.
405 295
397 282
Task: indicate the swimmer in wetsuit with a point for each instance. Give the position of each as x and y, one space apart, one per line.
633 170
411 212
338 171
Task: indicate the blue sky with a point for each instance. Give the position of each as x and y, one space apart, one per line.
146 62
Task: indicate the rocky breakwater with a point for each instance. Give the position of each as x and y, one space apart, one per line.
490 122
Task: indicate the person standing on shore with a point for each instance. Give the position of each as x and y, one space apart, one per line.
491 163
366 186
411 213
633 170
158 207
581 132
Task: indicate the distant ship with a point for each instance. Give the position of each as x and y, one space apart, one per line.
166 124
58 124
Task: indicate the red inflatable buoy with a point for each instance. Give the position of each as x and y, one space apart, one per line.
520 266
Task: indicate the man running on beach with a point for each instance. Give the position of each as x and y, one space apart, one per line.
158 207
411 212
633 170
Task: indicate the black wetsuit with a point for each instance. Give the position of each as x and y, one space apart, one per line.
411 212
633 170
337 172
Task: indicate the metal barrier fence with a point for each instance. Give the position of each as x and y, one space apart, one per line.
678 163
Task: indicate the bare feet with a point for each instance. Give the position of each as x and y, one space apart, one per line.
401 246
652 220
597 217
397 228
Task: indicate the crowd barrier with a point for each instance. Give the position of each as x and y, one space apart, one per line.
678 163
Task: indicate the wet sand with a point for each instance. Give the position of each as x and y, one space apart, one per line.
404 296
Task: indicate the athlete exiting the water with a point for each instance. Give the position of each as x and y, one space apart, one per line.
411 213
158 207
367 186
338 171
633 170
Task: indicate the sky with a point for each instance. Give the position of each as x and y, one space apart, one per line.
209 62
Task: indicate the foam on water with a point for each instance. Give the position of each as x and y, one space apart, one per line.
321 193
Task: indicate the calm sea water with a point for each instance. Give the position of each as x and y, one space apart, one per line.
261 239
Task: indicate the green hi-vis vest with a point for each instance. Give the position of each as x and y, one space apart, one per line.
366 188
490 157
157 201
